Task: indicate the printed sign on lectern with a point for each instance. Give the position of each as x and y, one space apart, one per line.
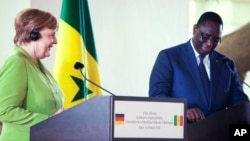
154 119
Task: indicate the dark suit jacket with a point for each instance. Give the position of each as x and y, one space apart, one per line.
175 74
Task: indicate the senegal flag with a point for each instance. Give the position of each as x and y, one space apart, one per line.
76 44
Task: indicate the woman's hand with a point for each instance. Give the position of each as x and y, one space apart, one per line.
58 112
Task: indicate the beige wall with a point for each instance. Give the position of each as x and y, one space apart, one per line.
130 33
128 36
233 12
8 10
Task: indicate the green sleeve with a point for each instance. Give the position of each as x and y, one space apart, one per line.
13 90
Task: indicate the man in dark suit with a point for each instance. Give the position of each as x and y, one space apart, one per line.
176 72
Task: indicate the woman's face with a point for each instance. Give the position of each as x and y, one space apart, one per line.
45 43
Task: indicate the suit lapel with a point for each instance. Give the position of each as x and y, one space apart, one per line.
215 74
191 63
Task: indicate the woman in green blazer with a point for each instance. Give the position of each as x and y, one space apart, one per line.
28 92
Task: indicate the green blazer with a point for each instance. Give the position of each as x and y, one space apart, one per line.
28 95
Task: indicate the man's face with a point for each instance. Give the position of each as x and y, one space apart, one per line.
206 37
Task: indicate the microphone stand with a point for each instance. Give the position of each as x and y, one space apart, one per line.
233 73
96 84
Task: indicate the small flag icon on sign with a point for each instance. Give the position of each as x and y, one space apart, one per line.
119 119
178 120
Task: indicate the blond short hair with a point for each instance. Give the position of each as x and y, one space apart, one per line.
29 20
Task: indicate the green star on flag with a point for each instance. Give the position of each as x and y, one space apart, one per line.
81 94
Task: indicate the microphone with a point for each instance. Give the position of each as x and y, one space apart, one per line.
79 66
226 61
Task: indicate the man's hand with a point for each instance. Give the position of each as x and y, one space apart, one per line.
194 115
